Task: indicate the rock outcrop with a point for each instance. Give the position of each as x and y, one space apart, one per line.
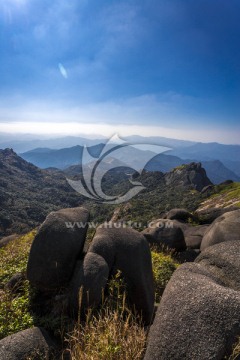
224 228
198 317
88 282
57 245
193 235
223 261
199 314
166 233
179 214
188 176
208 214
127 250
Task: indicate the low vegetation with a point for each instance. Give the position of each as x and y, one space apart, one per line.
230 191
163 268
15 306
112 332
180 167
225 195
236 351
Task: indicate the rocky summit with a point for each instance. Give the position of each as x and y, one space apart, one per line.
191 175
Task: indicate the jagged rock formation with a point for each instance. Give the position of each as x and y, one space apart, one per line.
191 175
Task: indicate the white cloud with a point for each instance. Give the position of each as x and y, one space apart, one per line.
63 71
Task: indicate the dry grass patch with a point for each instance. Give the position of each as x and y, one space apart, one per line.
113 332
107 336
236 351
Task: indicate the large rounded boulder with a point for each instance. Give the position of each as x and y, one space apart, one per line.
179 214
198 317
34 344
88 283
193 235
224 228
223 261
127 250
209 214
166 233
56 247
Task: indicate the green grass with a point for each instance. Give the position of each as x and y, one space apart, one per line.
163 268
232 191
15 308
180 167
227 194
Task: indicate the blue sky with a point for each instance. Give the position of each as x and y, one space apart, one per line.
153 67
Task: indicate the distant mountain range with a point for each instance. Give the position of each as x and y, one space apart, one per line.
215 169
220 161
129 157
229 155
26 143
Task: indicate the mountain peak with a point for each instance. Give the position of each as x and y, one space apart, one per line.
191 175
7 151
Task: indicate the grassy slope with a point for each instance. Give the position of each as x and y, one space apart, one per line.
224 196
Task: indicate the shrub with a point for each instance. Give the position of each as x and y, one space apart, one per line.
163 268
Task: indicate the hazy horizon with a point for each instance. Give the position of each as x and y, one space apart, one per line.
24 137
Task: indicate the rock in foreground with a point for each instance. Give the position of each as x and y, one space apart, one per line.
224 228
34 344
127 250
56 247
199 316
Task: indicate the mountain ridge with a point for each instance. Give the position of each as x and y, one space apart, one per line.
65 158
